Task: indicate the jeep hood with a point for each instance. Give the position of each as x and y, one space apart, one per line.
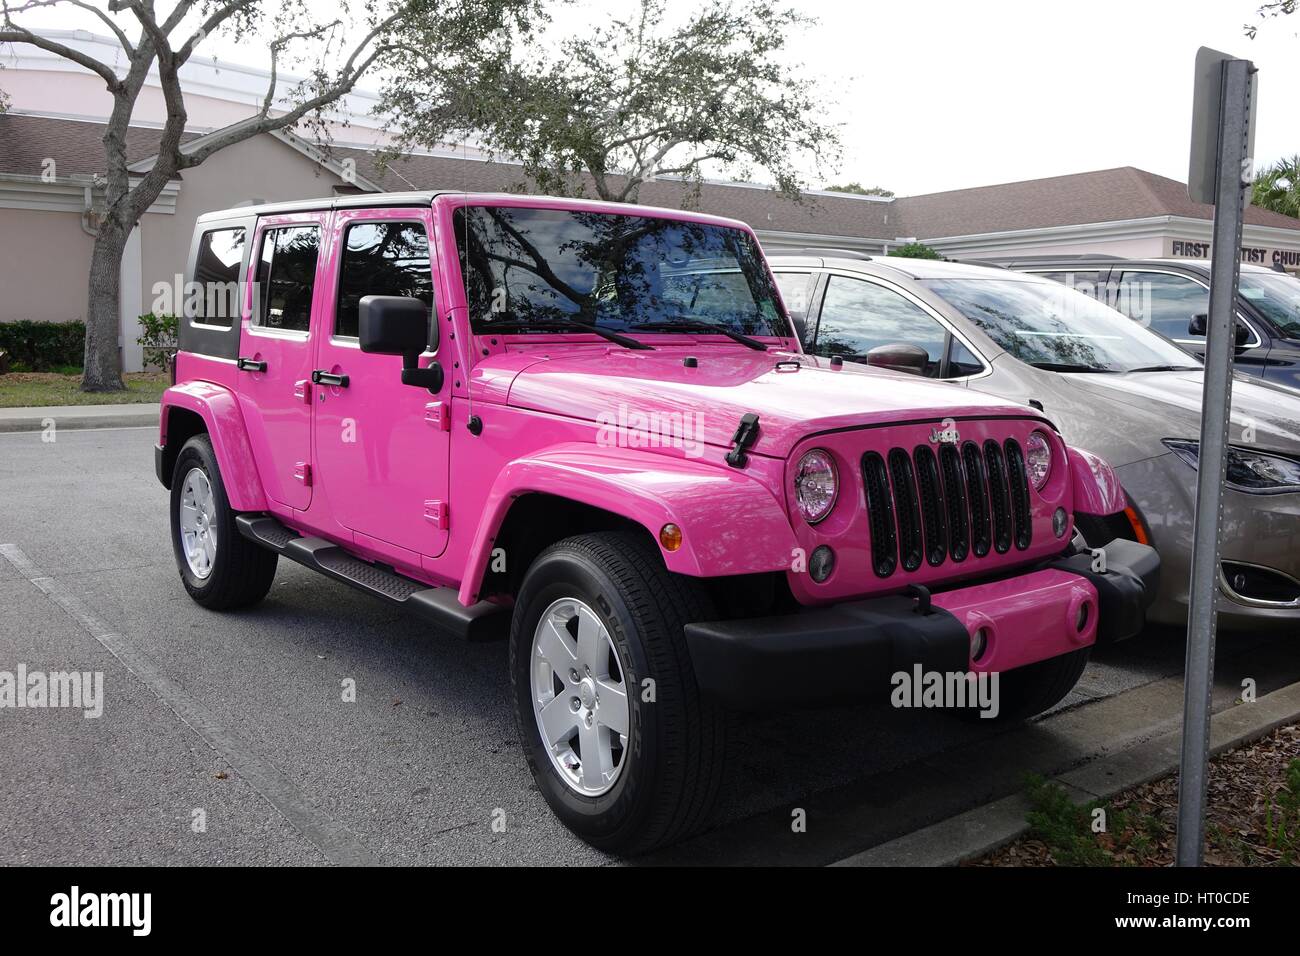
618 386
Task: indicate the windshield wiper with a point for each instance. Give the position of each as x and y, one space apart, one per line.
703 327
1068 367
569 326
1167 368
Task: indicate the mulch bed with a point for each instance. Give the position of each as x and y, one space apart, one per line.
1252 818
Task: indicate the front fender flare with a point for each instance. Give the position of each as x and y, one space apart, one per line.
1095 487
219 409
731 523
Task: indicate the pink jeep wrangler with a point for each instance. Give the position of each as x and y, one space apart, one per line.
592 425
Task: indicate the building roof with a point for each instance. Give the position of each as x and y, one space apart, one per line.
1104 195
820 213
1107 195
77 147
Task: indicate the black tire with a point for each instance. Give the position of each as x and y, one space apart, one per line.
672 765
1028 691
241 572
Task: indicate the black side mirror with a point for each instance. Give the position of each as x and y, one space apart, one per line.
1198 326
900 357
399 325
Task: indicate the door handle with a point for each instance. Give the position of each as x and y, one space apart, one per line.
321 377
250 365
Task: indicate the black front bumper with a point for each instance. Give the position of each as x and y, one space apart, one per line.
850 652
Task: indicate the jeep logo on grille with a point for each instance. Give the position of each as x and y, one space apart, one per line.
946 433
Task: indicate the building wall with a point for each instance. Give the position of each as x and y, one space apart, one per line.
44 262
261 169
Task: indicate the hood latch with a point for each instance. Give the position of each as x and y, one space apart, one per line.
746 435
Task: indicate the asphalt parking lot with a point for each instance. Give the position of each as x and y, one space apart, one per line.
237 721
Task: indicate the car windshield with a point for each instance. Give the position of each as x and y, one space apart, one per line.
525 269
1053 326
1277 296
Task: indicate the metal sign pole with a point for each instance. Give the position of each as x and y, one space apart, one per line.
1231 179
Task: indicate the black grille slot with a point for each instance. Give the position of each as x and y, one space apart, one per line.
906 510
933 518
1019 487
978 499
880 513
1000 507
954 497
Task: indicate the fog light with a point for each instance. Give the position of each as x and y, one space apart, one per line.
979 642
670 536
1060 521
1081 618
822 563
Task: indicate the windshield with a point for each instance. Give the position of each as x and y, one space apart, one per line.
532 267
1277 297
1053 326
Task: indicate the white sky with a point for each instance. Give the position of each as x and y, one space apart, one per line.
943 94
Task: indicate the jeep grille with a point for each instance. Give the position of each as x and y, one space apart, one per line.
924 507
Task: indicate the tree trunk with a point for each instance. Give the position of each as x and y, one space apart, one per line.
103 361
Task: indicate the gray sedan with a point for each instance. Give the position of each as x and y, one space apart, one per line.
1110 385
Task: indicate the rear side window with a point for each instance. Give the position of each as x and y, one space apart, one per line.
286 275
214 298
381 258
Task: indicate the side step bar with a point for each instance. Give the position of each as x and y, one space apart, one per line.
439 606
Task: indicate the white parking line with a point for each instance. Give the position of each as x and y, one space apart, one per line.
340 845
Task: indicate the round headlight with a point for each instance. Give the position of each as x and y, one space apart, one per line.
1038 459
815 485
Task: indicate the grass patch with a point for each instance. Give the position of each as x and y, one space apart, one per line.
21 389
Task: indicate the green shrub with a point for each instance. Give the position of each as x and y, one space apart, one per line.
158 338
43 346
915 250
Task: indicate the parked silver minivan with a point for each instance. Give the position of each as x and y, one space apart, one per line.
1110 385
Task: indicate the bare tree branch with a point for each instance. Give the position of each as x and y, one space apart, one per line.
13 33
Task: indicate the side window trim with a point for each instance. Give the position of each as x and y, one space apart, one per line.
340 232
255 318
951 333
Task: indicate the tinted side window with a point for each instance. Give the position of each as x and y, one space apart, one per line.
286 274
1164 302
857 316
382 258
962 361
216 272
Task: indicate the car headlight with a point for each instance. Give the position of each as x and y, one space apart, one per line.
1250 471
1038 459
816 483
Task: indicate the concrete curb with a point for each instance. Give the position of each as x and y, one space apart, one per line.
974 833
78 417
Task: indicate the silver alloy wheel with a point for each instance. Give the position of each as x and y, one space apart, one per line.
579 697
198 516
